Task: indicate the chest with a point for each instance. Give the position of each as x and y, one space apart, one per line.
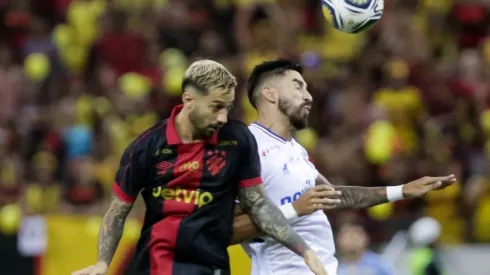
287 174
199 165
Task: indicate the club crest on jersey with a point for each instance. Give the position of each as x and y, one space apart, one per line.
216 161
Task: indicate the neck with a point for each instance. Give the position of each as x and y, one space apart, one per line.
277 123
184 127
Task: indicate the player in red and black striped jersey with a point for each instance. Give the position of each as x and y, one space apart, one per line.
189 169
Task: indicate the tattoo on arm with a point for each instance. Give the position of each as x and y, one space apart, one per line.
270 219
357 197
112 228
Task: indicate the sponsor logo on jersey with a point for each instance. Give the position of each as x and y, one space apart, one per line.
164 151
163 167
190 166
196 197
225 143
285 169
295 196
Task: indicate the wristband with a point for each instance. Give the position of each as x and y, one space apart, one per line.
288 211
394 193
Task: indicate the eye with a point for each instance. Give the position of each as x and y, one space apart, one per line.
215 108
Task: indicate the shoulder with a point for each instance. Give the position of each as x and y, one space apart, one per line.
148 138
301 149
236 130
234 126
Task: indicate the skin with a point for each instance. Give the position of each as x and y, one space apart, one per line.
352 241
283 106
201 116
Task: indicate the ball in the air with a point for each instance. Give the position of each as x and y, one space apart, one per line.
352 16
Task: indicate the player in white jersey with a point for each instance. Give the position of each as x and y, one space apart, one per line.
279 93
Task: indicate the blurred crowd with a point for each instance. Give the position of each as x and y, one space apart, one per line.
79 79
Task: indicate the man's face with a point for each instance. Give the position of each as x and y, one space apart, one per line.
352 239
294 99
210 112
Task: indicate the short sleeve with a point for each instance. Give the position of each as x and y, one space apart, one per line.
131 174
250 162
313 168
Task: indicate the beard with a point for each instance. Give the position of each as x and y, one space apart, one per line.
295 115
201 128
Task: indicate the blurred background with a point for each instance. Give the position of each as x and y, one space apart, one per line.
79 79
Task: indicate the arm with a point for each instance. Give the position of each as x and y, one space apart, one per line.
320 197
356 197
270 219
244 228
131 173
111 229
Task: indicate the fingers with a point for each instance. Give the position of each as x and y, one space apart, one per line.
322 187
324 191
432 180
96 272
326 201
327 194
84 271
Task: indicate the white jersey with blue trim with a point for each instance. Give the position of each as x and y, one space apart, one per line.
287 173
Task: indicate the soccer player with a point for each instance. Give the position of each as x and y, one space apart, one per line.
279 93
189 170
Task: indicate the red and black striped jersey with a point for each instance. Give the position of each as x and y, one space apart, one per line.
189 191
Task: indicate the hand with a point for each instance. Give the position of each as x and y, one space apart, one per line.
315 265
99 268
422 186
320 197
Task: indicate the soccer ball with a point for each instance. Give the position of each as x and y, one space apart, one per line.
352 16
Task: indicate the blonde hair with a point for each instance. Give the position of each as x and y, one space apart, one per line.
208 74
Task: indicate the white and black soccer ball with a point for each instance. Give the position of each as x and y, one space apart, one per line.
352 16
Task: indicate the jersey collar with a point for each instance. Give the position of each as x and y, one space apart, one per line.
173 137
269 132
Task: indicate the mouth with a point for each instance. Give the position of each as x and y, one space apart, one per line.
307 108
214 128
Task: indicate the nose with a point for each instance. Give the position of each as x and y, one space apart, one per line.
307 97
222 117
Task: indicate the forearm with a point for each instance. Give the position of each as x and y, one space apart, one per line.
244 229
270 220
111 230
356 197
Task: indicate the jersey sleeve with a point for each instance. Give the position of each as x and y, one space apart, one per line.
131 174
250 162
315 171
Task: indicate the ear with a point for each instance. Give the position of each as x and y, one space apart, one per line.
270 94
188 99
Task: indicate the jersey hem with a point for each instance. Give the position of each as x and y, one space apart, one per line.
250 182
121 195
